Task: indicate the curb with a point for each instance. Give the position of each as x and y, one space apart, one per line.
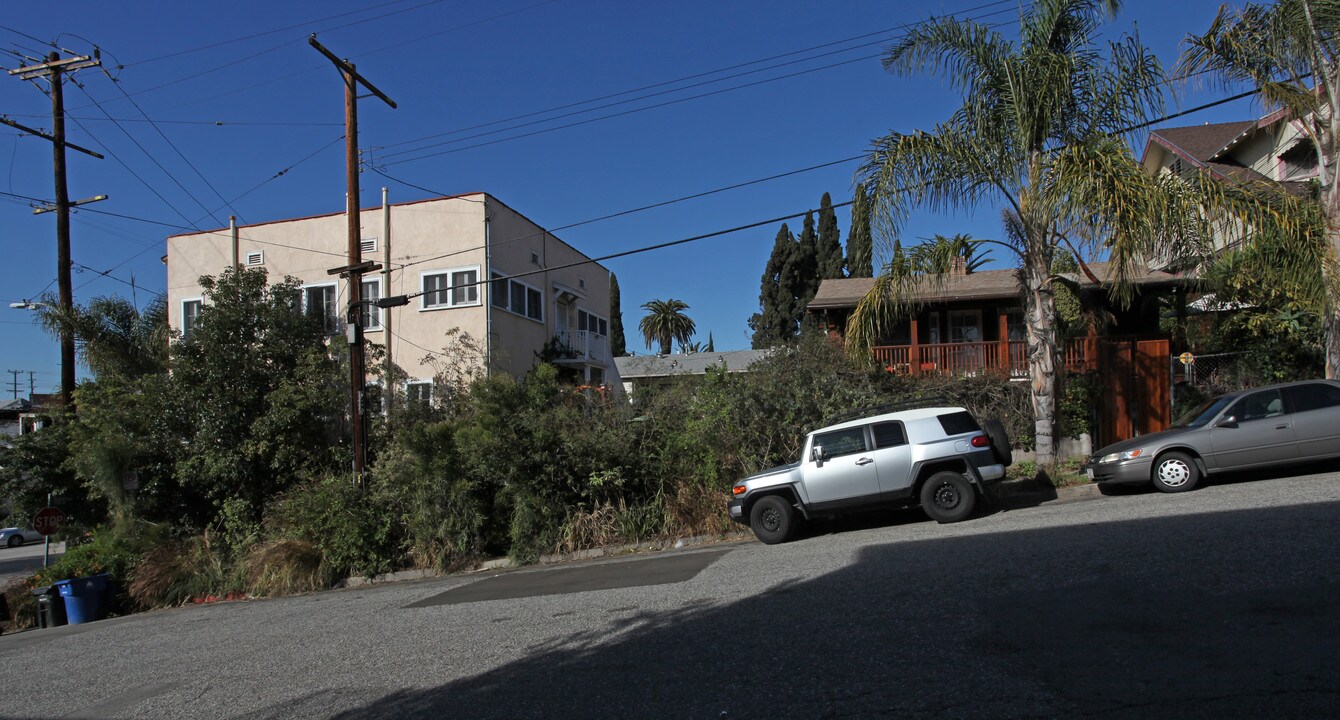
552 559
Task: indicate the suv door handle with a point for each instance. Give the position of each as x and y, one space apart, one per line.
864 461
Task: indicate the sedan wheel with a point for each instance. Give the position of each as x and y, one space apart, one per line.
1175 472
15 540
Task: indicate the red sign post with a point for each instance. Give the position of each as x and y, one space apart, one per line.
49 520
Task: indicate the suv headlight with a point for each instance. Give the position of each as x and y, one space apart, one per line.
1119 456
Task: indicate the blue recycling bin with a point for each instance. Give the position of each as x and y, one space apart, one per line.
84 597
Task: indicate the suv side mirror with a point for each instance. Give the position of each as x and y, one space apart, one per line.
817 455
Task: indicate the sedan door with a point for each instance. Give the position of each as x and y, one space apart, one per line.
1316 418
1260 432
847 470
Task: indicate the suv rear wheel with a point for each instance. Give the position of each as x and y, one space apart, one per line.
948 497
772 519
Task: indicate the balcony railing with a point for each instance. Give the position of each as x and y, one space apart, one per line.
584 346
1008 358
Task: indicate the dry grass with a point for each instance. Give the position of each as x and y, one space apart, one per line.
693 509
173 574
284 567
22 607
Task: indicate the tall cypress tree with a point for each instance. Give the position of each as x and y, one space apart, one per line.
774 322
830 259
860 243
804 275
617 348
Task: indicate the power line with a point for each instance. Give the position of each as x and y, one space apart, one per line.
695 76
623 113
150 155
174 147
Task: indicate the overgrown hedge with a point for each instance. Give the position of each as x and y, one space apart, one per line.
532 467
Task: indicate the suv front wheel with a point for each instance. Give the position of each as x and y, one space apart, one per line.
948 497
772 519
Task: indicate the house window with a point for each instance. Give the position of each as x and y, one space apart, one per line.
517 297
190 313
319 302
371 314
457 287
592 323
419 392
933 328
965 326
1014 323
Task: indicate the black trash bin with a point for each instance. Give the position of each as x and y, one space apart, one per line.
50 607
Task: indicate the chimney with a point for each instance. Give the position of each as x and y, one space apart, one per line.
958 267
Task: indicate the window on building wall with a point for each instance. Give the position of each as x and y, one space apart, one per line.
517 297
592 323
1014 323
419 392
319 301
451 288
190 313
371 314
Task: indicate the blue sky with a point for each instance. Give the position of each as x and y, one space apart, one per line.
455 69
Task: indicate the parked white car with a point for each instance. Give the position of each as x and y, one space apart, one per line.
14 537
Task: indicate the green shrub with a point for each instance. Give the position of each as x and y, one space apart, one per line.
350 527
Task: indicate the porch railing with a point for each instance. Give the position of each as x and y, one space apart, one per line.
585 346
973 358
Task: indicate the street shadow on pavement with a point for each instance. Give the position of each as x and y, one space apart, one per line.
1214 615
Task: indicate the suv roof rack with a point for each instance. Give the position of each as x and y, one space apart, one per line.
933 401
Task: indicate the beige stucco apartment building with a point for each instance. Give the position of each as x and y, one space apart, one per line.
482 268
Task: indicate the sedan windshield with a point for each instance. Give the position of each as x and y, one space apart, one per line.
1203 413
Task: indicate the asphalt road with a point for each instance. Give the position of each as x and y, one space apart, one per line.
1220 603
23 560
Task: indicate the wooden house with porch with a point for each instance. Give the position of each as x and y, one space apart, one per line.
971 323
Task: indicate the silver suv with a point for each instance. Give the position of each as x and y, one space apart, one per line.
938 457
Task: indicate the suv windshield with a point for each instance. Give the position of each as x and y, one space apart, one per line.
1203 412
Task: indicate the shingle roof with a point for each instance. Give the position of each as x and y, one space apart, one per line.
1201 142
642 366
981 285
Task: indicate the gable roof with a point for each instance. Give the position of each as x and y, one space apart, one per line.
1200 144
980 285
649 366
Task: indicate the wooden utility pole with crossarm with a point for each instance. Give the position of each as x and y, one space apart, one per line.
356 266
54 70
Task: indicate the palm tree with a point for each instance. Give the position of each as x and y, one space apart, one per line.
1040 132
113 337
1290 50
666 322
938 256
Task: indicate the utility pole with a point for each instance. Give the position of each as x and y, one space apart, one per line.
356 266
32 384
15 383
53 70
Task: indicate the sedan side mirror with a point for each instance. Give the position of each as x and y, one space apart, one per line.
1228 422
817 455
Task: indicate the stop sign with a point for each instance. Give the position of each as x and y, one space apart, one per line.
48 520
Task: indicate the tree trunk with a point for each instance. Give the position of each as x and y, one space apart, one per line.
1331 313
1040 309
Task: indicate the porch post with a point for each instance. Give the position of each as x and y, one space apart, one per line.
1091 348
1003 342
914 352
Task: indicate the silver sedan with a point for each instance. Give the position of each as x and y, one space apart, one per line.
1260 427
14 537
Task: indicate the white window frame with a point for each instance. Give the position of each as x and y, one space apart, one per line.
955 318
497 276
186 331
423 299
373 313
338 320
418 381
